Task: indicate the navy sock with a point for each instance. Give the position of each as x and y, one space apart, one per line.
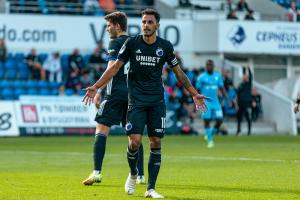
132 158
140 164
99 150
153 167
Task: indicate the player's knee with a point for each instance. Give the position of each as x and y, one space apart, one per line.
134 144
155 142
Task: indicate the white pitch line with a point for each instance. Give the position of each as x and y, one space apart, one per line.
173 158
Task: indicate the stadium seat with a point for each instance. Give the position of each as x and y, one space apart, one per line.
2 73
23 74
55 92
43 57
32 91
19 57
11 74
31 84
65 63
54 85
19 91
21 65
18 84
43 84
45 92
9 64
6 84
69 92
7 94
86 59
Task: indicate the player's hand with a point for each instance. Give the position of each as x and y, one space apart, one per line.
199 102
296 107
89 95
97 100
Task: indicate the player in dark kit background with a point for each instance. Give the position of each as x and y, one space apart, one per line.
147 54
113 109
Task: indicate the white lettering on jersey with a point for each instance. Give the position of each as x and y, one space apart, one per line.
147 60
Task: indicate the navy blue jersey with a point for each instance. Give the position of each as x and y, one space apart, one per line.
117 86
145 85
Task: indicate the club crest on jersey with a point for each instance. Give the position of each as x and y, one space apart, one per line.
128 126
159 52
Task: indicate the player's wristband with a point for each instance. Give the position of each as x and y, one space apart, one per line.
99 91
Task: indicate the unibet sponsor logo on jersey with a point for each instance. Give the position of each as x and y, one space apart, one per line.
147 60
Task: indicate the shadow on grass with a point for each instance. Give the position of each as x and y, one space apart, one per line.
231 189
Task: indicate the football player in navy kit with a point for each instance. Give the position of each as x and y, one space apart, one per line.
113 108
147 53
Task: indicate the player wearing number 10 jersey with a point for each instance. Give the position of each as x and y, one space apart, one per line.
147 54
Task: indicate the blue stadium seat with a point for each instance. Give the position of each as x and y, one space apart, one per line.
86 59
6 84
31 84
45 92
18 84
2 72
32 91
55 92
21 65
19 91
19 57
43 84
11 74
9 64
190 75
81 92
7 94
23 74
43 57
54 85
69 92
65 62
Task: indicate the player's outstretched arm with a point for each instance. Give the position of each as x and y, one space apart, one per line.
110 71
183 79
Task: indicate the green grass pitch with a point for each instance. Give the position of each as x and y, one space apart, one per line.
238 168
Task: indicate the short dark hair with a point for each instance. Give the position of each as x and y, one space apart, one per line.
118 18
210 62
149 11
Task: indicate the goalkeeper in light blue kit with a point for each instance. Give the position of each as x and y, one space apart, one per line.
209 83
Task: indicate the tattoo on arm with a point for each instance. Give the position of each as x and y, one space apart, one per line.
181 77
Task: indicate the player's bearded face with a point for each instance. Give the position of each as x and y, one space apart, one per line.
149 25
111 29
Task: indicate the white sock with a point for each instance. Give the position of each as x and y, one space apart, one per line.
96 172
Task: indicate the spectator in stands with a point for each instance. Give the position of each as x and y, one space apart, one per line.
244 94
249 15
85 79
256 104
91 7
107 5
242 5
227 6
293 13
3 51
174 103
232 15
227 79
53 68
230 110
76 61
187 104
97 63
34 64
147 2
185 3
